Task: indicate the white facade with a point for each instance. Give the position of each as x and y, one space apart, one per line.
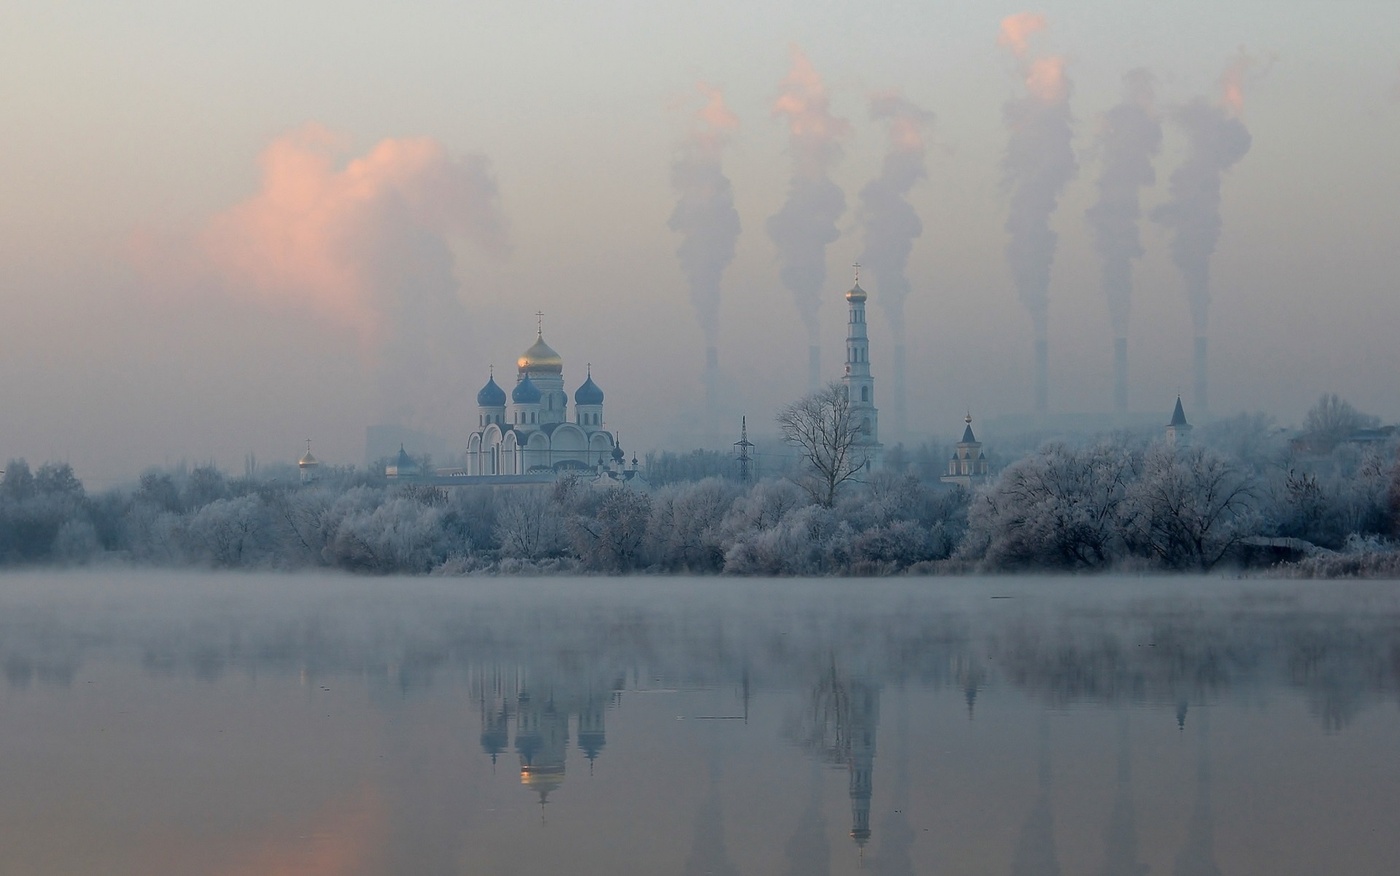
531 432
857 380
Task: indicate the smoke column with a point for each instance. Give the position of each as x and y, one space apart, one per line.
707 222
891 225
806 224
1130 139
364 247
1039 163
1217 141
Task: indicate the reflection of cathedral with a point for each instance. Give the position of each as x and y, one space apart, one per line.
541 714
531 433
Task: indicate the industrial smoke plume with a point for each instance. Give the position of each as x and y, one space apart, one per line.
806 224
1129 139
1217 141
891 225
706 219
1039 164
364 248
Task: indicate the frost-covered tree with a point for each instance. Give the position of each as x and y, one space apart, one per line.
1190 507
530 525
611 538
827 437
1332 420
1062 508
687 525
230 533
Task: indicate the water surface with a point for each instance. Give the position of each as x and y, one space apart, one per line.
260 724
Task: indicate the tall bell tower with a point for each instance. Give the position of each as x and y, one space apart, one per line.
859 385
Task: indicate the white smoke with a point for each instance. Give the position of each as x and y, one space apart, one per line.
806 224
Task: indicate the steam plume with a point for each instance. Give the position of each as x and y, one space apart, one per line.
364 247
805 225
1217 141
891 225
1039 163
1130 139
706 220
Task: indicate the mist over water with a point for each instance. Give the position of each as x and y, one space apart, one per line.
255 723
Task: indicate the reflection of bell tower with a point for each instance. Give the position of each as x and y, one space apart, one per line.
541 737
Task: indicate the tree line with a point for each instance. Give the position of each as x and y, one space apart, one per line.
1124 501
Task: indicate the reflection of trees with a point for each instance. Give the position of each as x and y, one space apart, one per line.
1180 650
1339 663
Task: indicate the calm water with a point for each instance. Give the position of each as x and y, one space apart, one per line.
186 724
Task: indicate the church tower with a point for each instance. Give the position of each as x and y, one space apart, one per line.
857 382
1178 430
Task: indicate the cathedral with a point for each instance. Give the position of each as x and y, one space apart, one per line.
530 433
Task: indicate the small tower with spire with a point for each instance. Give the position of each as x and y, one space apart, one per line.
1178 430
968 466
308 465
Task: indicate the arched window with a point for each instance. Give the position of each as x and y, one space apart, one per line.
865 393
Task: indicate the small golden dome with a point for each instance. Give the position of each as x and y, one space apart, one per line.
856 293
541 358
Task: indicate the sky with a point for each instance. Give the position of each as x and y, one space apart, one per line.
226 229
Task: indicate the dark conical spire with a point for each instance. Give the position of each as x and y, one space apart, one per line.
1178 415
968 437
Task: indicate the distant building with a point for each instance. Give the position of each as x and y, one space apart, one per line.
308 465
1178 430
531 433
403 466
968 466
857 382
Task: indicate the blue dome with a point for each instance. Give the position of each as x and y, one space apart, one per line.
589 393
526 393
491 395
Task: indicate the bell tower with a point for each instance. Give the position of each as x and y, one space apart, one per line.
857 382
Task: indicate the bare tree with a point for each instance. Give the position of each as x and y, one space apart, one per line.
1333 419
1190 507
822 427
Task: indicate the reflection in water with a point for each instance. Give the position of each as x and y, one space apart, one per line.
1120 839
708 856
1035 850
897 835
808 850
671 728
1197 856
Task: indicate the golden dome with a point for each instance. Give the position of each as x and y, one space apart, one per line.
856 293
541 358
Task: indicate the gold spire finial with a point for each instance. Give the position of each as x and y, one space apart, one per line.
857 267
539 323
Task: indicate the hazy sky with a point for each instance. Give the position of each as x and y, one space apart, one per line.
224 229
